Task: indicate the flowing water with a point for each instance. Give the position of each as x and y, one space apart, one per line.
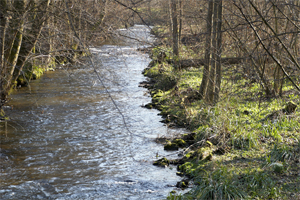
66 139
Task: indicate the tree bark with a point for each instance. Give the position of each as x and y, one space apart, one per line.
174 28
204 83
219 52
212 73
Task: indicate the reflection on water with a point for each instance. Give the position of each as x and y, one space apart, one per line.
66 140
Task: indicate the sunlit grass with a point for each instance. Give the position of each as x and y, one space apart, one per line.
260 161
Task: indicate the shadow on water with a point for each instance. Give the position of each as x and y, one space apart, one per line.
66 140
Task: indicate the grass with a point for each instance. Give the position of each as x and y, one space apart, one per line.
252 156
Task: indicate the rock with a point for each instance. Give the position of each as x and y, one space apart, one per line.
149 105
179 173
180 142
163 162
183 184
171 146
189 136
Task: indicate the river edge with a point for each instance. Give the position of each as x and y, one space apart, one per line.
44 112
207 155
170 143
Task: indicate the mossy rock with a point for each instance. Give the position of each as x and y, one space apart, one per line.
183 184
179 173
149 105
171 146
204 153
189 138
180 142
163 162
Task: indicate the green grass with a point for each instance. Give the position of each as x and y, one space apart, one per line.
261 156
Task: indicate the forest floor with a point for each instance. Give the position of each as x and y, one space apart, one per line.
247 146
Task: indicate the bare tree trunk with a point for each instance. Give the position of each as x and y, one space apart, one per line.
12 55
4 21
212 73
219 52
204 83
174 28
51 33
180 20
29 42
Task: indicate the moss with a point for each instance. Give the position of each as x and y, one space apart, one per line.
189 154
2 113
180 142
163 162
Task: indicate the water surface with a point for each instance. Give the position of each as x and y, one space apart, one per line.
67 140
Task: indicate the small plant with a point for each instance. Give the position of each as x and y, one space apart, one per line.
220 184
281 153
174 196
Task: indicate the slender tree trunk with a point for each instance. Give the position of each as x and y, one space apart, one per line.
212 73
12 55
4 21
204 83
149 11
174 28
30 41
51 33
219 52
180 20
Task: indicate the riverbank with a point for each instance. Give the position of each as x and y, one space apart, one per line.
247 146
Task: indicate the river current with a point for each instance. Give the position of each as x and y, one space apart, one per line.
66 139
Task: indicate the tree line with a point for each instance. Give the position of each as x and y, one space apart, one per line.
36 35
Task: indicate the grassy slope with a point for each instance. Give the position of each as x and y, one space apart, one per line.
237 154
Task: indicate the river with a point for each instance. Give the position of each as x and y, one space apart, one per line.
66 139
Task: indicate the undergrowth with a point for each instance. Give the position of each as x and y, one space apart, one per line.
254 155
